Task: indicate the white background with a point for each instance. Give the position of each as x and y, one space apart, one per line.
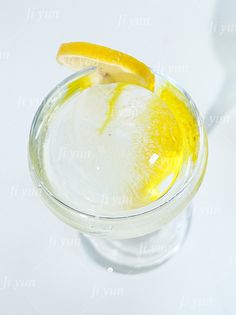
43 268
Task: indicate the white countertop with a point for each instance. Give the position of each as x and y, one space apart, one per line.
43 267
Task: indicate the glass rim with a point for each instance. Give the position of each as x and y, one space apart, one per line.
156 205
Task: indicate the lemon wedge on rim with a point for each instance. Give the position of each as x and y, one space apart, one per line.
112 65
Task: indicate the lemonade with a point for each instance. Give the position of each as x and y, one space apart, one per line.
117 146
119 137
119 152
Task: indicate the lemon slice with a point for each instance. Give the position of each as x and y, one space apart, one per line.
112 65
176 101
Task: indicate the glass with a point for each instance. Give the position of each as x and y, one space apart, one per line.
126 241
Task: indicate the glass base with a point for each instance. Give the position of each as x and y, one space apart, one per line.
141 253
